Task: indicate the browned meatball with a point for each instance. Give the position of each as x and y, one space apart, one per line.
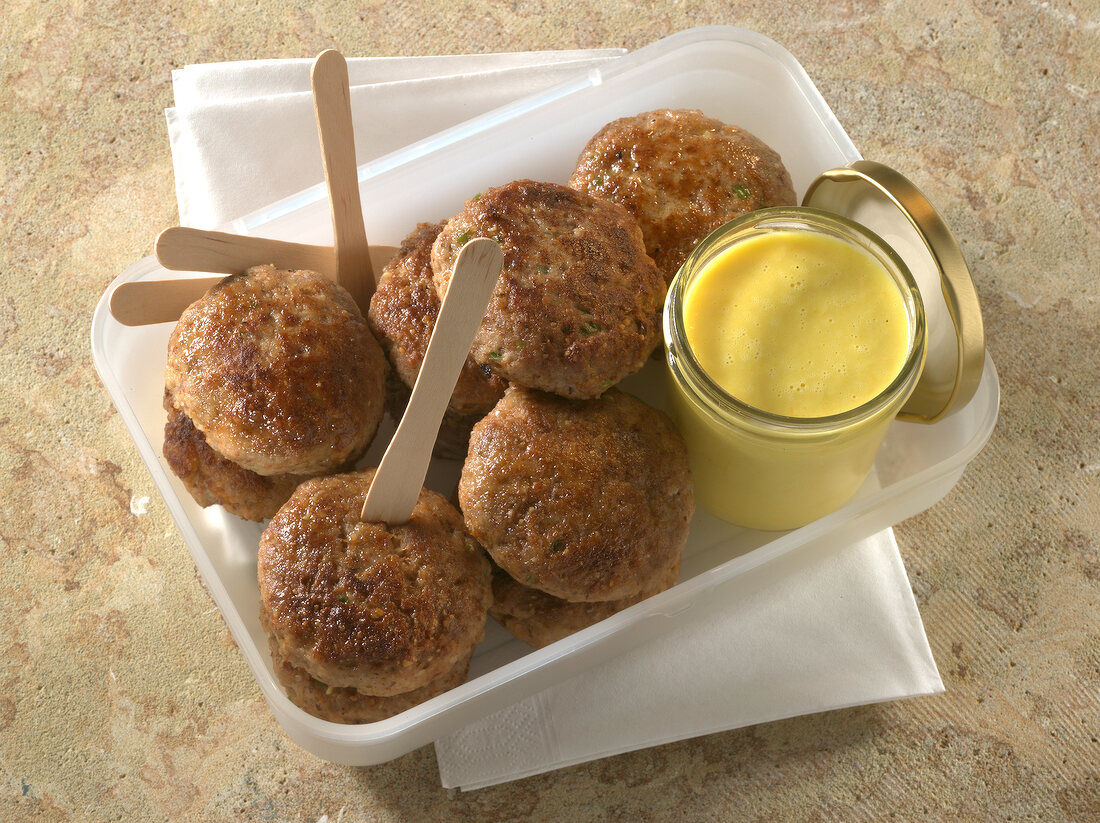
585 500
402 314
682 175
279 372
341 704
381 609
540 619
578 304
211 479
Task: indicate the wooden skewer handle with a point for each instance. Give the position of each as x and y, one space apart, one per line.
401 472
143 302
184 249
332 109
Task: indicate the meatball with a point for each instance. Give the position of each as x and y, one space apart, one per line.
578 304
211 479
402 315
342 704
584 500
540 619
682 175
377 608
279 372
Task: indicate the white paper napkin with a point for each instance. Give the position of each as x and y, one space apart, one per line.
814 630
817 630
243 134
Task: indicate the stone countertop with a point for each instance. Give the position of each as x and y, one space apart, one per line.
123 696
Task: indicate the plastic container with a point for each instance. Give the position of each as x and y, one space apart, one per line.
735 75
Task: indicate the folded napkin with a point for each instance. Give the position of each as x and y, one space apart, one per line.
823 629
243 134
820 628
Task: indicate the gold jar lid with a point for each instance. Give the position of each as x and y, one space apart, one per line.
888 204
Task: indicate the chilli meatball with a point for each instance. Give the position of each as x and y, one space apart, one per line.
584 500
540 619
578 304
369 610
272 376
681 174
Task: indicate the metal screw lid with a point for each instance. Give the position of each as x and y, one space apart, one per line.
887 203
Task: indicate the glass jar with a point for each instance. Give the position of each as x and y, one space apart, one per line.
763 470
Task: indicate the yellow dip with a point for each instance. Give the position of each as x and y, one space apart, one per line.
788 325
797 323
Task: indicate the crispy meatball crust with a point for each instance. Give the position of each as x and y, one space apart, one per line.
540 619
378 608
682 175
578 303
341 704
585 500
211 479
279 371
402 315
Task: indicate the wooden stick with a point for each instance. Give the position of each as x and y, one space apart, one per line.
332 108
400 474
143 302
184 249
350 261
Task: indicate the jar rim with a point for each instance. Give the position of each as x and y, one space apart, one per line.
689 372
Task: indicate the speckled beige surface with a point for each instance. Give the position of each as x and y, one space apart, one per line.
122 696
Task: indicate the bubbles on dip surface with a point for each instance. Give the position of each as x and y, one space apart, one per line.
797 324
